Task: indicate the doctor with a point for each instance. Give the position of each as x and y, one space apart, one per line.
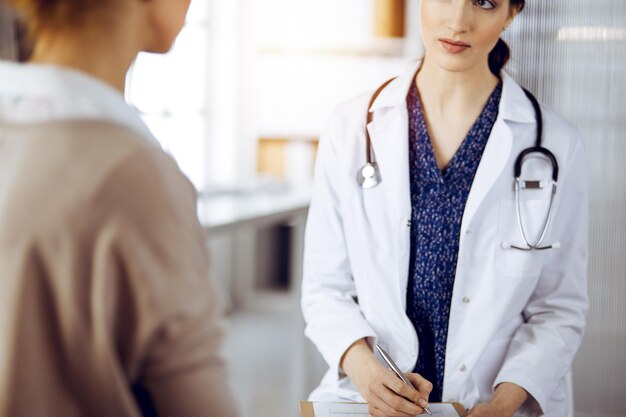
462 254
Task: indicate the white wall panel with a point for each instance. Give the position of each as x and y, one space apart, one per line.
572 54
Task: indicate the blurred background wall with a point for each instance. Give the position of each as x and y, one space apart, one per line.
240 102
572 53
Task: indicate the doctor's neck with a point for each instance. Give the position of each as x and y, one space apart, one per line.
451 91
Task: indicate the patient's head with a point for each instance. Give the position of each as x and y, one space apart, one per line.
151 25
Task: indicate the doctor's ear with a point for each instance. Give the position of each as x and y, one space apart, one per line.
515 8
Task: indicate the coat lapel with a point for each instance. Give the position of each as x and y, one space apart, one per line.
389 132
514 107
493 162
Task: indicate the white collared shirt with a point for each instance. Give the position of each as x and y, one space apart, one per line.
36 93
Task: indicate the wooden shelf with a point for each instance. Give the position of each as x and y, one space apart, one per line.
376 47
274 151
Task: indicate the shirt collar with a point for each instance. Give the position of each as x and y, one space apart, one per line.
35 93
514 105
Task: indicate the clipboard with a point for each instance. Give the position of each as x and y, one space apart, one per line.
306 409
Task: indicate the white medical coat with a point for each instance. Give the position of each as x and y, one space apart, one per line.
516 316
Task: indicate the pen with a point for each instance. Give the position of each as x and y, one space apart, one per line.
397 371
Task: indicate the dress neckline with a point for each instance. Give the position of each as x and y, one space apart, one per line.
487 115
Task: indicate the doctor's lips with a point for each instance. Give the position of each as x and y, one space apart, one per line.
454 47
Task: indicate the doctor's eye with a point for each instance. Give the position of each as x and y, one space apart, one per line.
485 4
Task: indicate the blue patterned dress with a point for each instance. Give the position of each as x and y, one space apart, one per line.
438 201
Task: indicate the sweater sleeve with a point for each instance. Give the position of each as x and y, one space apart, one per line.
167 326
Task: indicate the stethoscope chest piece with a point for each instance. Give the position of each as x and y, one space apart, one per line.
368 176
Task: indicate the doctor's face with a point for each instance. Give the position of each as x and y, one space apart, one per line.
459 34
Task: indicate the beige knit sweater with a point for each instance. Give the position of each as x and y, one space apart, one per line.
103 278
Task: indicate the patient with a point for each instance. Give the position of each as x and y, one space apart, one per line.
105 304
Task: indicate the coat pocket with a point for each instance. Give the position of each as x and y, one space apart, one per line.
516 263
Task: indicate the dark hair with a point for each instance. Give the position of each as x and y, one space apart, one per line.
500 54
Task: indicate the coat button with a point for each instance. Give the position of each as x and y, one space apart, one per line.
463 368
465 300
468 232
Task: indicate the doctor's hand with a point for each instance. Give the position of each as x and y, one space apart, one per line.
388 396
385 393
506 400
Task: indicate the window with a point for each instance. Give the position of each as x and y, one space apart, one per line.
170 93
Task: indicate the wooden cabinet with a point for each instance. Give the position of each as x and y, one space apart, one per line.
389 18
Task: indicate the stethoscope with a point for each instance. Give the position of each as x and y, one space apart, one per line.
369 175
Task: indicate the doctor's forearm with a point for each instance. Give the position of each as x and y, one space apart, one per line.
509 398
359 363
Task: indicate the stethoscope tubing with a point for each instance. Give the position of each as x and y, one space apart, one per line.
369 175
544 227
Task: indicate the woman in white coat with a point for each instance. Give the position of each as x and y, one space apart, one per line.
431 263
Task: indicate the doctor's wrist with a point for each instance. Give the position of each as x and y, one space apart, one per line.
508 398
360 364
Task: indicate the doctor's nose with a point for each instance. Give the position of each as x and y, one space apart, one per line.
459 16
